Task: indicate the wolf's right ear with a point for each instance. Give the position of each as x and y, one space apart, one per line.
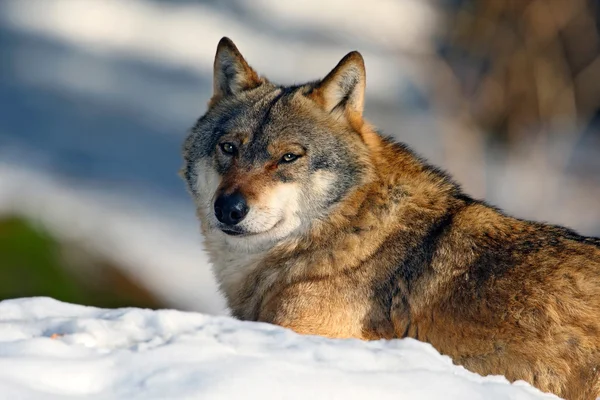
232 74
343 89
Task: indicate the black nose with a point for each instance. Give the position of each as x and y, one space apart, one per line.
231 209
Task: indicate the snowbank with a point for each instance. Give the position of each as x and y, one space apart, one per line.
50 350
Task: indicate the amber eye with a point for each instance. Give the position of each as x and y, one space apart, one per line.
228 148
289 157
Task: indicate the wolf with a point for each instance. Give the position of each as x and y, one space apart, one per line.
315 221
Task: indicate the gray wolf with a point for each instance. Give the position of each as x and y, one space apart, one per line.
316 222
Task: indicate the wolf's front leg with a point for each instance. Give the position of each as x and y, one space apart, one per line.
315 309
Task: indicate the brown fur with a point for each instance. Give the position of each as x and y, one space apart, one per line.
406 254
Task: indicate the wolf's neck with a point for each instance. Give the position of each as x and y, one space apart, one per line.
402 201
403 190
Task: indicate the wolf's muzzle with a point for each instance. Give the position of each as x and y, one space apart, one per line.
231 209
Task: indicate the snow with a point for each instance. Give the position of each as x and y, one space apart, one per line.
169 34
54 350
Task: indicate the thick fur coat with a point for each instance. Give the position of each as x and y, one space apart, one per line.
316 222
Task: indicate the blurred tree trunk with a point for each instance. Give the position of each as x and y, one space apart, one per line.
525 67
518 75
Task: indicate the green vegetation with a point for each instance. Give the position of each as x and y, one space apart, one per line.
33 263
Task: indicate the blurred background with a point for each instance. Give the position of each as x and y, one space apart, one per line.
96 97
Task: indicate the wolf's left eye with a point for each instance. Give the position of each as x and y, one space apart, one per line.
289 157
228 148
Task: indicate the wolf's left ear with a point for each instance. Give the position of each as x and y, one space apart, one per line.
232 74
343 88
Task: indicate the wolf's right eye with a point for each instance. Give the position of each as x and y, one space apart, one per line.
228 148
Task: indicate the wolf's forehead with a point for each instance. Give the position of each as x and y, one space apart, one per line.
246 113
262 117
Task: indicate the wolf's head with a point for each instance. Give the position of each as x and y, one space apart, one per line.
265 161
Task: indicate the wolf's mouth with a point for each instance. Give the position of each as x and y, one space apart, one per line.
231 232
244 233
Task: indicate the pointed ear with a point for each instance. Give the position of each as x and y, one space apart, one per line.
232 74
343 88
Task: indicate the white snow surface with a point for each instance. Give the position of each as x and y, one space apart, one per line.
145 354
